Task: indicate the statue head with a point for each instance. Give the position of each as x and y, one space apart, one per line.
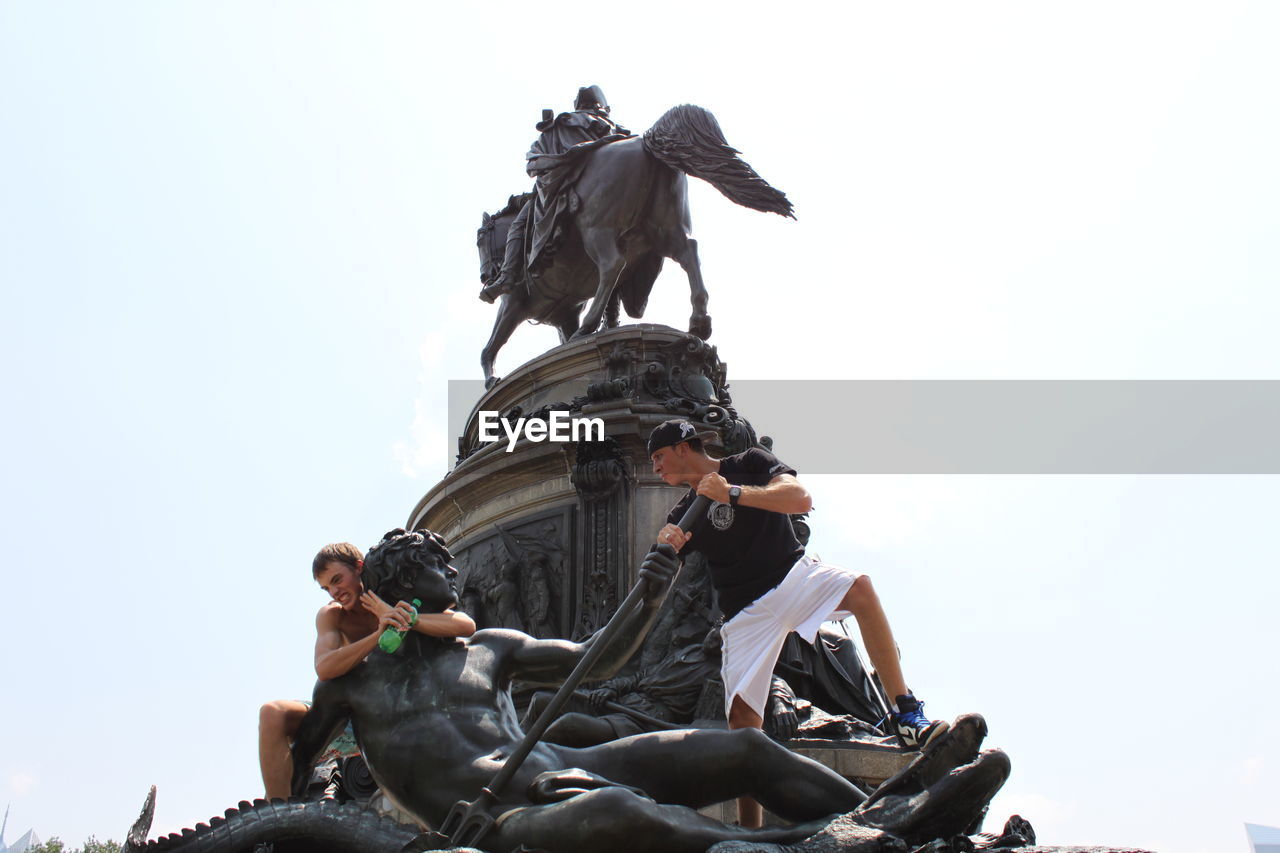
405 566
591 98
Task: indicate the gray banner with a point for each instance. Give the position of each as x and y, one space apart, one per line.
1006 427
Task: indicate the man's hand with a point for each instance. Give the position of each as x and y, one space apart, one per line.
715 487
657 570
672 535
401 617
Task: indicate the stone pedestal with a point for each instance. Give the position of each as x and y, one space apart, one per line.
548 537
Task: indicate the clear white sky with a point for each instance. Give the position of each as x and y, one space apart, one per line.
237 253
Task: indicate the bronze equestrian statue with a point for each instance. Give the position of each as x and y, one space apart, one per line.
607 209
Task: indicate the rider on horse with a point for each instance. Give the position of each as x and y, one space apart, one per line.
554 161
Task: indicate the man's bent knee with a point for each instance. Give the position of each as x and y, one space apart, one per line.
280 717
861 594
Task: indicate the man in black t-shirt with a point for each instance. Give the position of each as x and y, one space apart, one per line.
766 585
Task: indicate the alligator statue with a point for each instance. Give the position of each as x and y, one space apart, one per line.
436 720
293 826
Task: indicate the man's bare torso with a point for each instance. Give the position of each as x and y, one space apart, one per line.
353 625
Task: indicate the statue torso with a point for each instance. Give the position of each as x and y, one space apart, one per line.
441 722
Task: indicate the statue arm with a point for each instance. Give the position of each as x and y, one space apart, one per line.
551 661
450 623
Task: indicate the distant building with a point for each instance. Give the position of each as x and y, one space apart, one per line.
1263 839
21 845
30 840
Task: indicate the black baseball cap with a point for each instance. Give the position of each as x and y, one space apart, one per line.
671 432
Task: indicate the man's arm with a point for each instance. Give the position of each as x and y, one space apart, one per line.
551 661
783 493
333 656
450 623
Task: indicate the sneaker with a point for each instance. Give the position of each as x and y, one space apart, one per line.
913 728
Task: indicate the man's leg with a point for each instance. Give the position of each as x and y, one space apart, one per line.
277 724
861 600
750 813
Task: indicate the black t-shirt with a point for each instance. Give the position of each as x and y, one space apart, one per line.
749 551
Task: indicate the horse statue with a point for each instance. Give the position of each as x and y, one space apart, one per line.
631 213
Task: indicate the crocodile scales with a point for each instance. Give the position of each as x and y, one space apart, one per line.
288 826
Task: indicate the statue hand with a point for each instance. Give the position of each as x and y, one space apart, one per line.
599 696
783 719
657 570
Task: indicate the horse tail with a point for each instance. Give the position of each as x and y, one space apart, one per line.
688 138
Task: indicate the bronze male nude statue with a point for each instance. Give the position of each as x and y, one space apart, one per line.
436 720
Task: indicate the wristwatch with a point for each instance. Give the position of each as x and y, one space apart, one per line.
735 492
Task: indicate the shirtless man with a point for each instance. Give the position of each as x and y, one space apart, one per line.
436 721
347 630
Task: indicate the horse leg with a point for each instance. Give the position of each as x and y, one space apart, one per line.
600 245
566 321
685 253
510 314
612 310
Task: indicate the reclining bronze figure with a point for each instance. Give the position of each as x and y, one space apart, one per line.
436 719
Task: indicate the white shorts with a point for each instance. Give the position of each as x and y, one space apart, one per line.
752 639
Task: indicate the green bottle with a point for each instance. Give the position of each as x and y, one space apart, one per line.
391 638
